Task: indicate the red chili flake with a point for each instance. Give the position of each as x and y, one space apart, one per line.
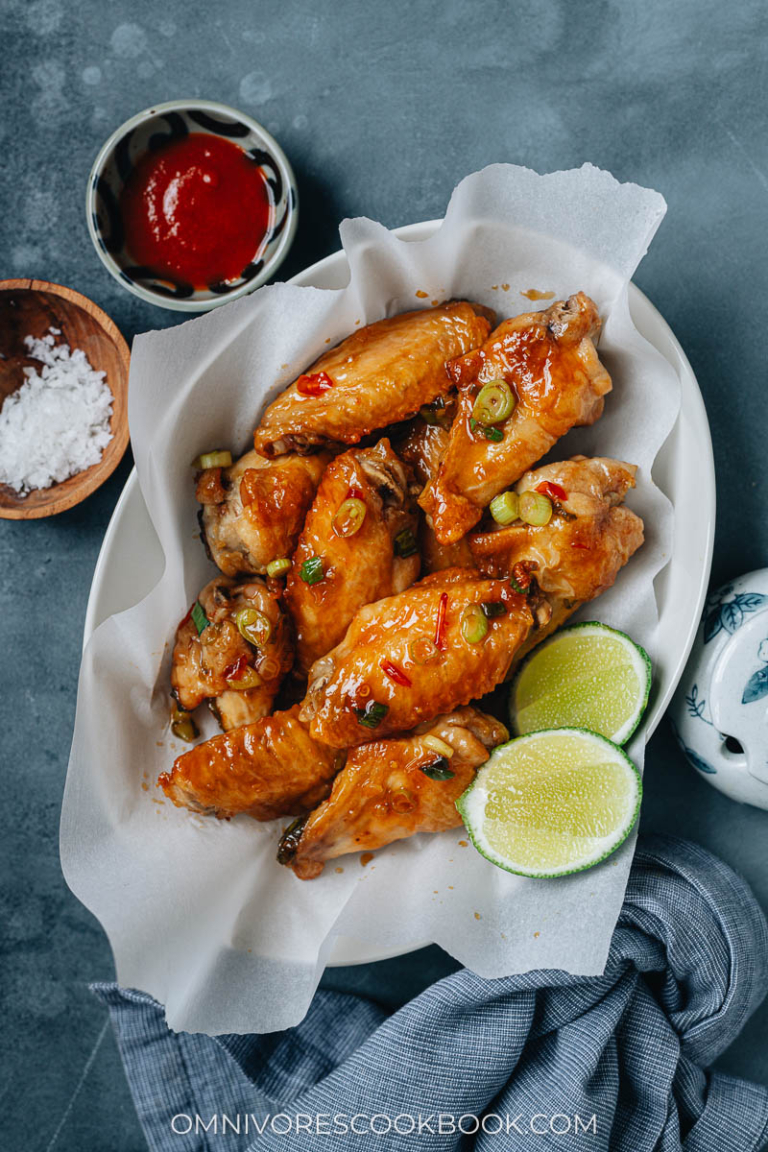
395 674
578 544
188 616
237 670
553 491
354 493
440 623
314 384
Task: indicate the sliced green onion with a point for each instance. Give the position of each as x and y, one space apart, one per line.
372 715
405 543
495 401
435 744
474 625
217 459
438 770
535 509
183 726
254 626
423 650
312 571
248 678
505 507
278 567
199 617
517 587
349 518
494 434
493 608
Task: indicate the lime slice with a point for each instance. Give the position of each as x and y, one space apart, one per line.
585 676
552 803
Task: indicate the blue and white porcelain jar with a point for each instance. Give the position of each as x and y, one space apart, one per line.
720 710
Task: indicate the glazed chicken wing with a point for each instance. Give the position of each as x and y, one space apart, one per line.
391 789
268 769
580 552
546 364
213 660
360 536
445 641
252 512
380 374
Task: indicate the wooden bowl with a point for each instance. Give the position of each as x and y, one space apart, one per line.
30 308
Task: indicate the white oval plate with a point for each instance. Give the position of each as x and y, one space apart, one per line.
131 561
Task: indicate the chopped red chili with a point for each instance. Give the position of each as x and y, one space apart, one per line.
314 384
578 544
236 671
395 674
440 623
354 493
188 616
553 491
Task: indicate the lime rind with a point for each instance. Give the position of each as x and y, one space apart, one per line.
640 661
472 803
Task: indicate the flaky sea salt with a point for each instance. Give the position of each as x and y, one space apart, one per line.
57 422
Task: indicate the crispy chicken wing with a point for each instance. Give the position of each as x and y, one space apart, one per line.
380 374
580 552
548 360
268 769
361 561
412 656
252 512
391 789
209 665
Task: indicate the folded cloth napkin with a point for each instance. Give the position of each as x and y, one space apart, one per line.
541 1060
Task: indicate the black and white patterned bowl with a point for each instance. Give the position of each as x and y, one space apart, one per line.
151 129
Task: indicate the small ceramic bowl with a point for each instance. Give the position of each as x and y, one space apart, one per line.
720 709
30 308
151 129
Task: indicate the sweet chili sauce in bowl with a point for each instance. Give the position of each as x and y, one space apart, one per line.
191 204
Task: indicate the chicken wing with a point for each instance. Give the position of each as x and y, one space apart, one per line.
252 512
212 659
579 553
546 363
356 561
380 374
443 642
268 769
391 789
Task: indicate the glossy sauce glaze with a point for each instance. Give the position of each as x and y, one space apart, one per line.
196 211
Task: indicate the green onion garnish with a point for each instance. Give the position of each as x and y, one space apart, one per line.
535 509
474 625
217 459
438 769
405 543
494 434
199 617
492 608
495 401
312 571
372 715
505 507
278 567
254 626
517 587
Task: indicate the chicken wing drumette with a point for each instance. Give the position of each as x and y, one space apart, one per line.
537 376
579 552
358 544
252 512
445 641
233 649
267 769
380 374
391 789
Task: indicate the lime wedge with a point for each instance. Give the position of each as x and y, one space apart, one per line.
552 803
585 676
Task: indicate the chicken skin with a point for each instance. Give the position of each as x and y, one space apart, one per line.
267 769
579 553
391 789
443 642
379 375
546 365
212 659
360 533
252 512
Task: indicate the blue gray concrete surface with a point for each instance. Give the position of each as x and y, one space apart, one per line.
382 108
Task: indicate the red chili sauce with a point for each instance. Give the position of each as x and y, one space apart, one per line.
196 210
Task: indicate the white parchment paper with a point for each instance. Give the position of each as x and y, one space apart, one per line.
198 912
